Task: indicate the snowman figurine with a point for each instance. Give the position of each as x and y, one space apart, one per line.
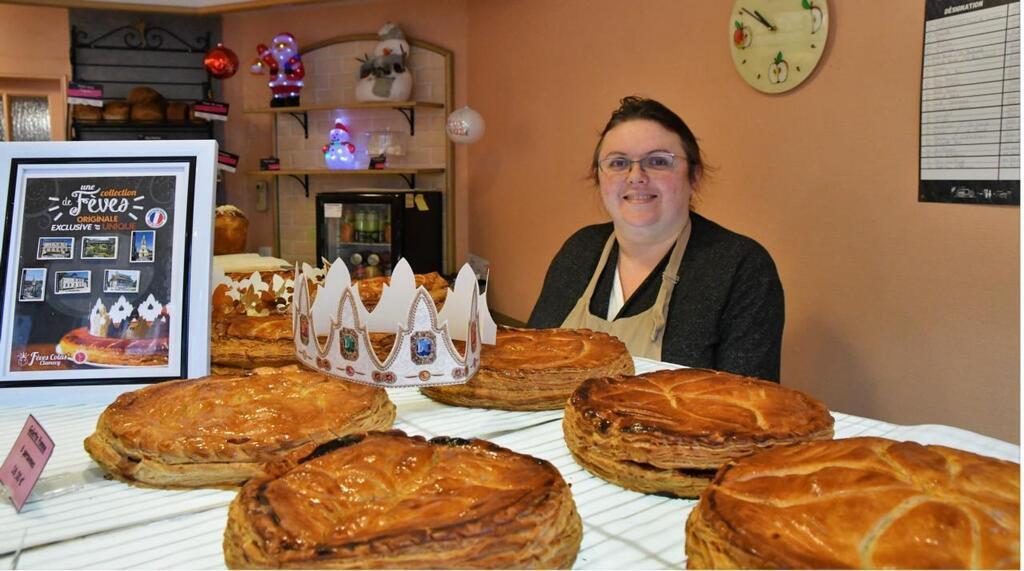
283 62
386 76
339 153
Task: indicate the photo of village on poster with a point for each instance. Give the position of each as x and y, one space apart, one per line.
94 272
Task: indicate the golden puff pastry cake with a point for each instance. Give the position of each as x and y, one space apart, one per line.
239 343
222 430
370 289
536 369
241 340
254 328
243 343
867 503
388 500
668 432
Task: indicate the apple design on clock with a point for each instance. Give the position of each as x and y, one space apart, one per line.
816 16
778 71
741 35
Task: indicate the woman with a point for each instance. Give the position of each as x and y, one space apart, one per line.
671 284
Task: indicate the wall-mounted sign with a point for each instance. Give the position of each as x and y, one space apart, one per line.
106 261
970 102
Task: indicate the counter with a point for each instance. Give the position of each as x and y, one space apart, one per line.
76 519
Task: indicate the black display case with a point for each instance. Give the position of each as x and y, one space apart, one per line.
371 230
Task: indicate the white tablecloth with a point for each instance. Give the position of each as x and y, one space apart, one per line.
75 519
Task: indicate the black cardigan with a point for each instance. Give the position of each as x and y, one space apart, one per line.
726 312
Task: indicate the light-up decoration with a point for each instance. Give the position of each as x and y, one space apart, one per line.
284 64
339 153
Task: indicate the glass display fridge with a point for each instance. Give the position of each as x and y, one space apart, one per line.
371 230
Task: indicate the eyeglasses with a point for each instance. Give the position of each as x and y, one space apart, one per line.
654 162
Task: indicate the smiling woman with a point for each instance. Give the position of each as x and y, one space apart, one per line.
671 284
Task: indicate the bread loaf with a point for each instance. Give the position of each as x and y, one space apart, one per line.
177 111
145 95
147 112
116 111
87 113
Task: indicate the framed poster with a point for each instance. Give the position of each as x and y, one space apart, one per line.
105 261
970 103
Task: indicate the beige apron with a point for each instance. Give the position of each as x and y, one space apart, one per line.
642 333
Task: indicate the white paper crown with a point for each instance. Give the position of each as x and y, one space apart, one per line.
259 293
332 334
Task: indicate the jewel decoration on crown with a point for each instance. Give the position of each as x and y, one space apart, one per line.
332 333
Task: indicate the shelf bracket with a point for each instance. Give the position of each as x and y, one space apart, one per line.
303 119
304 181
410 116
410 179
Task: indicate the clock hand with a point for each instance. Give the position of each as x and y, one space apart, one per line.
764 20
756 17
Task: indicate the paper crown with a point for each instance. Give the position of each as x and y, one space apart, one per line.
256 294
332 333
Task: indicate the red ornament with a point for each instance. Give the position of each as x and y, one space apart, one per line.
221 62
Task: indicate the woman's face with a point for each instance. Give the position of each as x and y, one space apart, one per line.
654 202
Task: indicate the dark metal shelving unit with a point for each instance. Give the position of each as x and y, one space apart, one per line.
142 55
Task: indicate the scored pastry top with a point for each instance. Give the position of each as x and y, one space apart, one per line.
371 289
523 350
869 503
699 406
453 487
274 327
238 418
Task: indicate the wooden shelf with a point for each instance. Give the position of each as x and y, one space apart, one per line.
113 125
301 112
302 175
351 105
132 130
343 172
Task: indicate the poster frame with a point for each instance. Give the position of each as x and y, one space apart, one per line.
192 164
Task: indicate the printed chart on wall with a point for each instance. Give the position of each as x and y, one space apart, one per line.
970 102
98 267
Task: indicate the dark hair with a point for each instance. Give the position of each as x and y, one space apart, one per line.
635 108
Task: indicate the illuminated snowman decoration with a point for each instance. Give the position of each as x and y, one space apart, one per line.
386 75
283 62
339 153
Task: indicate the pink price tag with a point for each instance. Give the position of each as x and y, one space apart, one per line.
24 465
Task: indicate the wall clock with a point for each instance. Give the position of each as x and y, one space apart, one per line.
776 44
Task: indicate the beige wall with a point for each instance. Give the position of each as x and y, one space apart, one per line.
34 43
440 22
896 309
